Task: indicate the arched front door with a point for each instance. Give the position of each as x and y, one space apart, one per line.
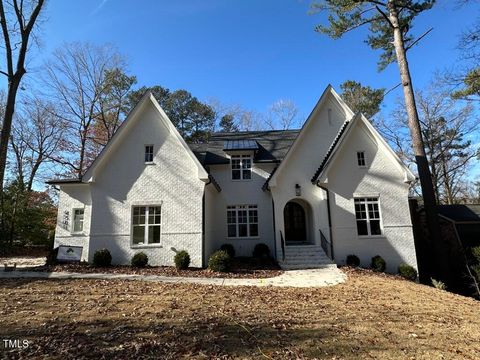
295 222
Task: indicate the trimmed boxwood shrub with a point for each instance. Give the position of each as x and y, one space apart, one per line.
229 249
52 257
261 251
102 258
378 264
408 272
182 260
139 260
353 260
220 261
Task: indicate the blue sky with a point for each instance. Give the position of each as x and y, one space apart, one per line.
248 52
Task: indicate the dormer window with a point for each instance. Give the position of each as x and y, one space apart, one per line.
241 167
148 154
361 159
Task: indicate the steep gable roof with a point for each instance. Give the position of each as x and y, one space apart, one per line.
342 138
329 91
135 114
147 98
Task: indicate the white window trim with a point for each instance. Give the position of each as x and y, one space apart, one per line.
369 235
72 226
147 205
248 222
145 152
364 159
241 169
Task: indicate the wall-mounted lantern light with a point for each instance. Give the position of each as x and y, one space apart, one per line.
298 190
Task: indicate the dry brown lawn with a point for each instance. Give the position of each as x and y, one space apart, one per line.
370 316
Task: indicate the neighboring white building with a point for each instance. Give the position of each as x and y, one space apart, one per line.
331 189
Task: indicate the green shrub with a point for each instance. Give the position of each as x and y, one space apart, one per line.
437 284
52 257
378 264
182 260
476 253
102 258
229 249
139 260
219 261
261 251
353 260
408 272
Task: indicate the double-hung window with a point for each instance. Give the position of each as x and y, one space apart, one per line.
242 221
367 214
361 159
78 215
146 222
241 167
148 154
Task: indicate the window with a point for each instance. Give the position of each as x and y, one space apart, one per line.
361 158
367 213
78 220
242 221
148 153
241 167
147 222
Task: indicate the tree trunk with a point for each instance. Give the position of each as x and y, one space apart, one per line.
438 261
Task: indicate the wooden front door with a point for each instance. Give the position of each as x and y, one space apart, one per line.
295 222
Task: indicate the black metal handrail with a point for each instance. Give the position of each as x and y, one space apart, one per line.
326 245
282 244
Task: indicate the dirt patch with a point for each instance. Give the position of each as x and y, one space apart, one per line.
241 268
369 316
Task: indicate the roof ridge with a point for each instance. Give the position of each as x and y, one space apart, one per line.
330 150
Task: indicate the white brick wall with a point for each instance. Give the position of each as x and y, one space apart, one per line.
125 180
381 178
238 193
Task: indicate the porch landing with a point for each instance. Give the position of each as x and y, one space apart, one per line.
305 257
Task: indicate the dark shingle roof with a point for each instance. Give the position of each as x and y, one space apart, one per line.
272 145
330 151
467 213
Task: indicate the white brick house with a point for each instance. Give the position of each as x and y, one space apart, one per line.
331 189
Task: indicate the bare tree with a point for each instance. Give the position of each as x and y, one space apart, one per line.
17 20
282 114
448 128
35 139
79 81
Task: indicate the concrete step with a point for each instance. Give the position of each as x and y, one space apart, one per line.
305 266
304 257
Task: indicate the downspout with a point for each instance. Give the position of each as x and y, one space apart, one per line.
274 230
329 218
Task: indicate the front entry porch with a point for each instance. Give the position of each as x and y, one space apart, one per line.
297 217
299 248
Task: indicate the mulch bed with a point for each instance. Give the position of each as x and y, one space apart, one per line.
241 268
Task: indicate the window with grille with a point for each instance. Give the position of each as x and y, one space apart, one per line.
146 222
78 215
148 153
242 221
241 167
367 214
361 159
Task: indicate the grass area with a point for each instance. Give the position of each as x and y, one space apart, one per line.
370 316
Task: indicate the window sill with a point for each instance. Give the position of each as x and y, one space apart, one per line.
382 236
150 163
77 233
146 246
244 238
